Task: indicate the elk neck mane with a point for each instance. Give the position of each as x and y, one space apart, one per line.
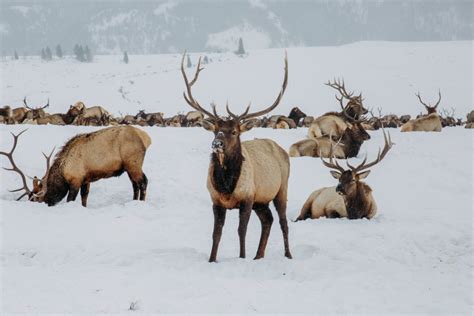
224 177
357 204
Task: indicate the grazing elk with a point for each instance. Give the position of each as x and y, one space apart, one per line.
87 158
351 198
247 175
335 123
429 123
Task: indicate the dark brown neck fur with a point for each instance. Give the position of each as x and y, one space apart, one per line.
224 178
357 204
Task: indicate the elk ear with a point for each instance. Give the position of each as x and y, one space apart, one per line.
208 125
248 125
363 175
335 174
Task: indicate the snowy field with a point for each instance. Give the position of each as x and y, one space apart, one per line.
414 257
388 74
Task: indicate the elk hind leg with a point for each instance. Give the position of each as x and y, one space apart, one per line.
280 205
266 219
142 185
85 193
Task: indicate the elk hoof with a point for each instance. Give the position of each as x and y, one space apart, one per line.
288 255
258 257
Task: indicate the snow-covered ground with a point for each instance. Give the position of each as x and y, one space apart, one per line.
415 256
388 74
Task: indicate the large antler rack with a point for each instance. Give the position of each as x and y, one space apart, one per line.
214 116
15 168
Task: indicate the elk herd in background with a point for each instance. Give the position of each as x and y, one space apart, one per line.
242 175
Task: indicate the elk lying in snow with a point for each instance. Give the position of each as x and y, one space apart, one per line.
351 198
428 123
335 123
296 115
35 113
348 145
84 116
87 158
247 175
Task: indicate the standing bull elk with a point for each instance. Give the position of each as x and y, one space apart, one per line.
86 158
427 123
247 175
351 198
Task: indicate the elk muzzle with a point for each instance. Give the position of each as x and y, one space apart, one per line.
218 147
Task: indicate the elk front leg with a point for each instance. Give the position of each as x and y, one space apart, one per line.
73 191
244 216
219 220
85 193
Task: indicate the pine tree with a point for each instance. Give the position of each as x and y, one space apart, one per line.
43 54
190 64
205 60
15 55
59 51
240 51
125 57
87 54
48 54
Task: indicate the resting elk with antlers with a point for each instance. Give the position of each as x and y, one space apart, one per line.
351 198
245 175
335 123
35 113
87 158
348 145
429 123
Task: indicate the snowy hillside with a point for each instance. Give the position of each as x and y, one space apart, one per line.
388 74
414 257
168 26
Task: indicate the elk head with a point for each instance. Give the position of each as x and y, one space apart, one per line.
349 178
430 108
354 107
227 130
39 185
35 113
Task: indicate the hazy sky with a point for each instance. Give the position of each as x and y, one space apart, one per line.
170 26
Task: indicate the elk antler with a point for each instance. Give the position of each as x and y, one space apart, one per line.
339 85
26 104
350 118
189 96
246 116
14 167
48 161
44 107
41 107
426 105
381 154
332 164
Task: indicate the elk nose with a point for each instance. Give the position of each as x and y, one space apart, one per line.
339 188
217 144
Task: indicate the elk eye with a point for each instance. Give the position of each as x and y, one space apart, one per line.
234 132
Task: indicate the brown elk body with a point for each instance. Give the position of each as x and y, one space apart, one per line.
90 157
351 198
297 115
87 158
247 175
427 123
